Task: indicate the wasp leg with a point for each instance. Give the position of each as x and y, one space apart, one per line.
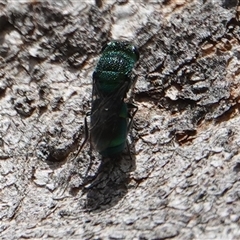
131 108
134 109
86 135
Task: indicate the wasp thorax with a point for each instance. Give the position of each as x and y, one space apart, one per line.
114 67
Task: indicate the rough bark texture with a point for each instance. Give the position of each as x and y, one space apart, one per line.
182 181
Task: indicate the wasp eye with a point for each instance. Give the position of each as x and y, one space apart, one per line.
136 52
104 46
110 45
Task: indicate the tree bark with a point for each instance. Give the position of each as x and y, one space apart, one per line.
182 178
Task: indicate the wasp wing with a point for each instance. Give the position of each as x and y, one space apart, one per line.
109 117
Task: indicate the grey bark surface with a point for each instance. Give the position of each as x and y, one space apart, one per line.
182 180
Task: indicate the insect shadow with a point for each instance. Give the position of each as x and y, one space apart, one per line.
110 183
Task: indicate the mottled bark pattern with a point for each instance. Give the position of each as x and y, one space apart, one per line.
182 181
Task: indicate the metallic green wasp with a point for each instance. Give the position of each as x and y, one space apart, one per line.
110 115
